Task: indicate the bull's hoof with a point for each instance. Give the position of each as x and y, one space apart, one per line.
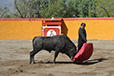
53 62
34 63
30 62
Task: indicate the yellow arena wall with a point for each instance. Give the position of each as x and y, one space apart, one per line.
96 28
23 29
19 29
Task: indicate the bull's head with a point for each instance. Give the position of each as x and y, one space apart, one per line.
72 53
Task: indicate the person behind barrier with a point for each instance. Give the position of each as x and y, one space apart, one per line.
82 36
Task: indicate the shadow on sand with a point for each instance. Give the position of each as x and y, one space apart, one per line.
88 62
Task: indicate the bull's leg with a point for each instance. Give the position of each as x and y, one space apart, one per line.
32 54
56 54
32 57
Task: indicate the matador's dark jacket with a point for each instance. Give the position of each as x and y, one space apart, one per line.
82 38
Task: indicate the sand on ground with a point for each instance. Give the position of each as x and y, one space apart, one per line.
14 61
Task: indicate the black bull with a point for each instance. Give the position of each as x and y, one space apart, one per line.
58 43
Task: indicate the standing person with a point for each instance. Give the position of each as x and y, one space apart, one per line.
82 36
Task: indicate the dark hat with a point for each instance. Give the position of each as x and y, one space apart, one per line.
83 24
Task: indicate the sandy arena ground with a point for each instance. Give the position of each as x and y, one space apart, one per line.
14 61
